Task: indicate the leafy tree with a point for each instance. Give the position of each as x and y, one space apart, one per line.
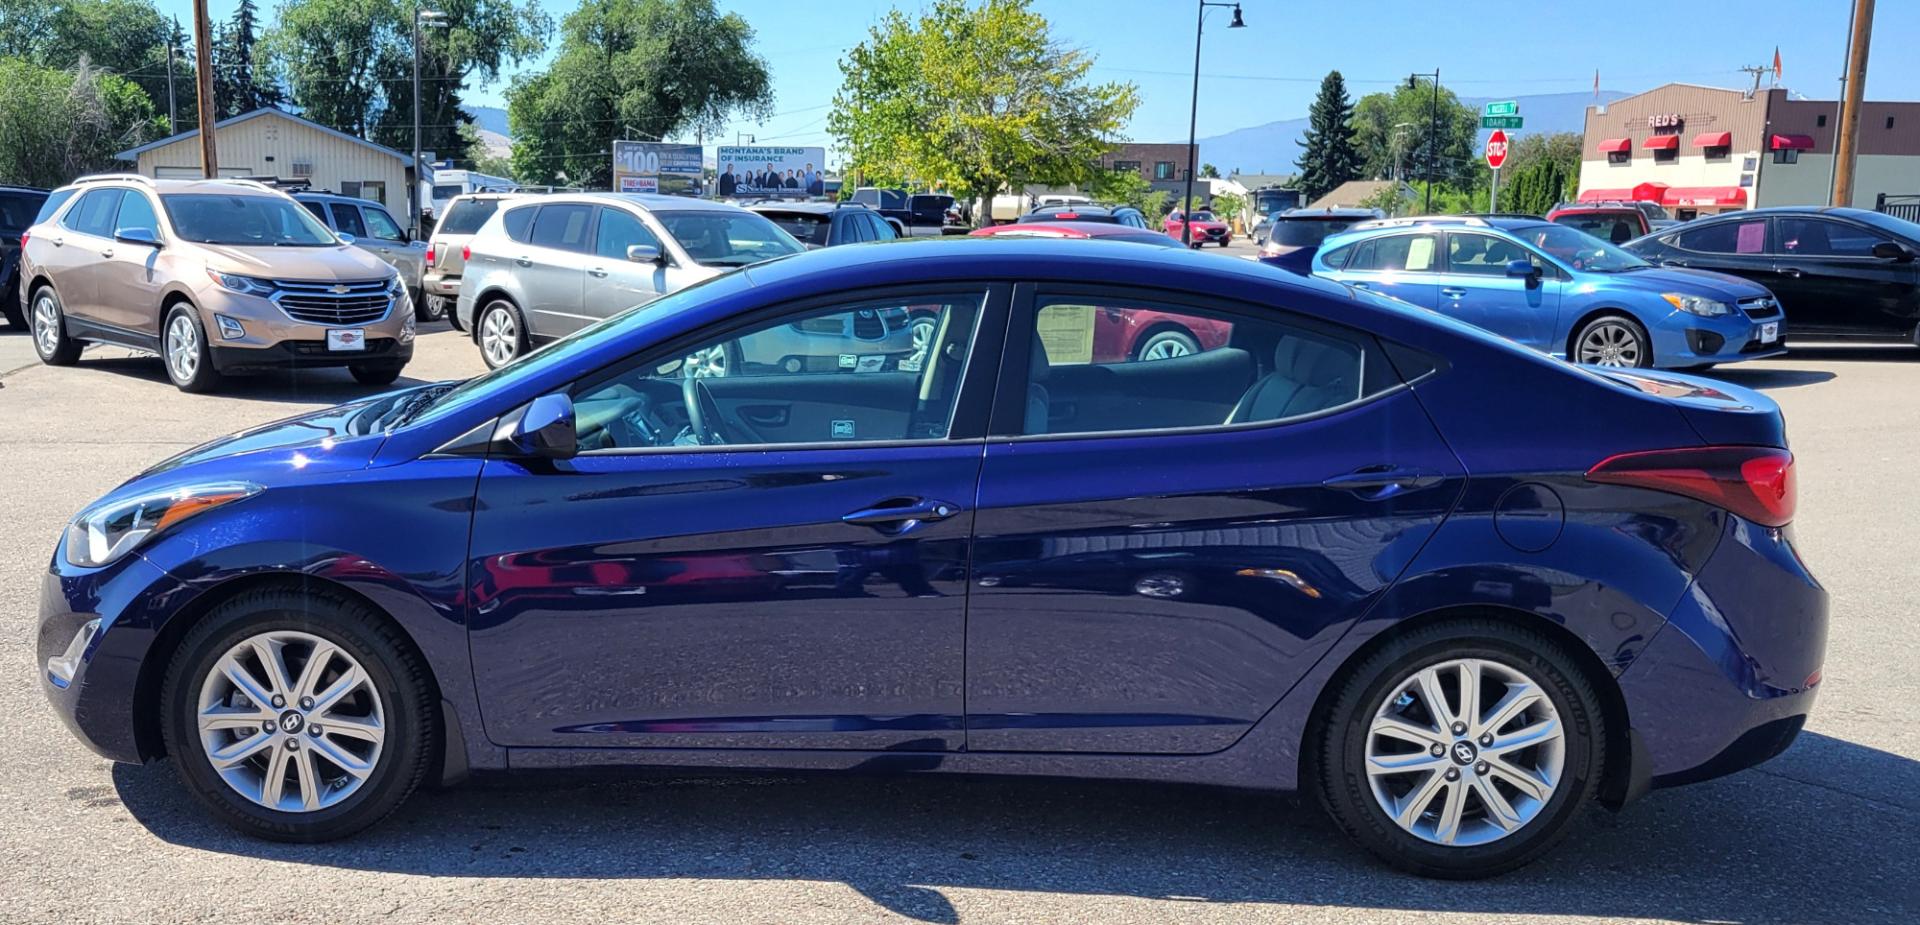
1389 199
1536 187
1393 133
981 99
1208 171
1329 157
57 124
645 69
1127 187
242 84
123 37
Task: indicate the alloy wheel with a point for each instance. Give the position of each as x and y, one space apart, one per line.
46 325
1610 343
291 721
183 347
922 330
710 363
1165 348
499 336
1465 752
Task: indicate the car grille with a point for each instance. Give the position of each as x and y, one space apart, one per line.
334 303
1760 308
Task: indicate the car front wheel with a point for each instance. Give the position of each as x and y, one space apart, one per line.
184 348
296 716
1460 750
1613 340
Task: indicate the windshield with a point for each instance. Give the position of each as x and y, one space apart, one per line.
727 239
448 190
1203 216
1307 232
244 221
807 227
1579 250
1892 224
1270 201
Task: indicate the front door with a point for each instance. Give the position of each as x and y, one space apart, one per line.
1829 282
740 556
81 246
1477 290
1737 247
1164 547
128 277
615 283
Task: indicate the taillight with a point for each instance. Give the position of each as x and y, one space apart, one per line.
1755 482
429 255
466 252
1067 216
23 239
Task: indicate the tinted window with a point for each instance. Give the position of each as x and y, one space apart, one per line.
53 204
1818 237
618 229
382 225
136 212
807 227
854 229
346 218
881 230
1109 366
17 211
1337 258
1306 232
1411 253
94 213
243 221
319 210
468 215
563 227
1735 237
518 223
871 370
1483 254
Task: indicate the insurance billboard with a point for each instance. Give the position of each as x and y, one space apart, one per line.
656 167
751 171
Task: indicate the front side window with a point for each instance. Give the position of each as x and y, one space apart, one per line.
872 370
1483 254
1819 237
244 221
619 230
881 230
1106 365
1401 253
94 213
383 226
346 218
562 227
1737 237
1579 250
725 238
136 212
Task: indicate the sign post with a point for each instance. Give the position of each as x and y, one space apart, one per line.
1496 155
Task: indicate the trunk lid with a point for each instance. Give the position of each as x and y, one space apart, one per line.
1722 414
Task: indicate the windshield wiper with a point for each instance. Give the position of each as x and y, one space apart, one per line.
414 404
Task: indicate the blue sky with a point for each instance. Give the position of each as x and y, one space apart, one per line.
1270 70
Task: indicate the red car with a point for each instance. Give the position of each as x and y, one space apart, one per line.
1614 222
1068 229
1206 228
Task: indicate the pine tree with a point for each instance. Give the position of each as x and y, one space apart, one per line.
1329 157
238 86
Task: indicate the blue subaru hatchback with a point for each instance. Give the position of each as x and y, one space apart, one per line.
1559 290
1328 553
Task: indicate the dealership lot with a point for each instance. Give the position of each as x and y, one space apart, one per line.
1837 816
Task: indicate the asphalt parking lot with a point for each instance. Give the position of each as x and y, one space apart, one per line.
1829 832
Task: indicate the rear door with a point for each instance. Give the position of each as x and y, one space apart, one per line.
614 283
84 235
1735 246
1405 266
554 271
1476 289
1162 548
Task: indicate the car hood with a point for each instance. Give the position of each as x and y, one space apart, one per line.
331 439
1718 286
332 264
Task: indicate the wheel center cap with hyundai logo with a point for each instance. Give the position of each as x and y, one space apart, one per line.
290 722
1463 753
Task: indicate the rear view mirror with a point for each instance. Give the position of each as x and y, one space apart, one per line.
542 429
1894 251
643 253
345 238
137 236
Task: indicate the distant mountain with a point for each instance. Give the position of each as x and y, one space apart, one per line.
1273 147
489 118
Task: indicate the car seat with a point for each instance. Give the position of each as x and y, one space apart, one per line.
1038 401
1621 233
1310 373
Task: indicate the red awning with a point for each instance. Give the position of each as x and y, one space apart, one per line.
1662 143
1616 146
1704 196
1713 140
1645 192
1800 142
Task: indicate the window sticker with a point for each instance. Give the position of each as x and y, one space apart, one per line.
843 430
872 363
1067 333
1752 239
1420 254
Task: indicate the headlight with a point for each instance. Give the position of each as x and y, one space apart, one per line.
238 283
394 288
108 531
1693 304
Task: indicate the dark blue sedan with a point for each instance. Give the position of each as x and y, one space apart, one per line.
1338 552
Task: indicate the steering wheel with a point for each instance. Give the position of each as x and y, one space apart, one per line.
703 413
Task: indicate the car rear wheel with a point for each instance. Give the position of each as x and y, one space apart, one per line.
1613 340
183 346
501 333
1165 345
297 717
50 338
1460 750
428 309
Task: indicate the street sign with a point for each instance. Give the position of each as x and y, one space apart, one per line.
1497 149
1500 121
1503 108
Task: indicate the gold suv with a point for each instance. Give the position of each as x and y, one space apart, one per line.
215 276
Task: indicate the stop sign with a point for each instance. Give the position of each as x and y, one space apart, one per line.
1497 148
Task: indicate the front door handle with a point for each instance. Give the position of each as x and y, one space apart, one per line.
523 261
107 253
1383 481
597 273
1791 272
1453 292
898 515
1360 285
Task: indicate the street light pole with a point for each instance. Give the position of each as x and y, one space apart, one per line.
1193 116
1433 127
432 19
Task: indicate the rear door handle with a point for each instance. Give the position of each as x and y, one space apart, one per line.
1790 272
1383 481
1360 285
898 515
523 261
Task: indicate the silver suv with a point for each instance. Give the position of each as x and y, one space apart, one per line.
547 267
446 249
369 226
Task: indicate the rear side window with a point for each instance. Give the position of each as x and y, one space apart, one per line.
53 204
318 209
1402 253
1741 237
854 229
468 215
518 223
562 227
1336 259
94 213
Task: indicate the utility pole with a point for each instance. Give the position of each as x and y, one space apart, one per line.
203 81
432 19
1847 147
173 121
1839 109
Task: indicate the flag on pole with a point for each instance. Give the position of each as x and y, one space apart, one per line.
1596 84
1776 64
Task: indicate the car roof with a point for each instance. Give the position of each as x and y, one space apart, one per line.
652 202
1497 222
1067 229
1329 213
222 185
329 196
812 208
22 189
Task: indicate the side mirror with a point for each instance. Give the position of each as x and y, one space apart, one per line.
1894 251
1523 269
644 253
542 429
137 236
345 238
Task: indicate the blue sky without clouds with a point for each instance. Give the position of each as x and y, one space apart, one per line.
1271 69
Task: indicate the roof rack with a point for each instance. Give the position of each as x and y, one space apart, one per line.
115 178
1412 220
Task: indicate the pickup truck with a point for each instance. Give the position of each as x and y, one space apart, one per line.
916 215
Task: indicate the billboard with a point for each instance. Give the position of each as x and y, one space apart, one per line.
655 167
754 171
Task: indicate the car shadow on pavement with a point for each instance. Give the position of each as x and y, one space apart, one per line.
302 386
1830 832
1764 378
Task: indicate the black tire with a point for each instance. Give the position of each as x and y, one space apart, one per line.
484 329
61 348
407 703
425 309
11 311
201 377
452 310
376 373
1698 367
1336 763
1643 358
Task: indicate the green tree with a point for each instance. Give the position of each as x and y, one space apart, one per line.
1208 171
243 81
123 37
57 124
1328 158
643 69
1394 133
980 99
